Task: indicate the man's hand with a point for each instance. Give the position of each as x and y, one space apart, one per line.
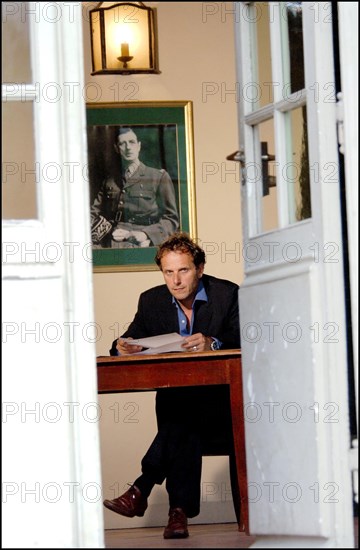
197 342
136 237
124 348
140 238
120 234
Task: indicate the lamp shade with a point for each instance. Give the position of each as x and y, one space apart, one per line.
123 38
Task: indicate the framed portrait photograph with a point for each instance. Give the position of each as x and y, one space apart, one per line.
141 177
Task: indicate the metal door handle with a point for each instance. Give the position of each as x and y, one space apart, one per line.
238 156
268 181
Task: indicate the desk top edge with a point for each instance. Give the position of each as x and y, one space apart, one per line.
108 359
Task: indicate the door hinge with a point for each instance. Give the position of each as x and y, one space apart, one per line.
354 465
340 122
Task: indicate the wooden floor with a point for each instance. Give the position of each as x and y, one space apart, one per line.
219 535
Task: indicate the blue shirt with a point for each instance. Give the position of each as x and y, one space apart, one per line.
200 296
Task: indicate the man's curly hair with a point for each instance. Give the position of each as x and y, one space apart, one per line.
181 242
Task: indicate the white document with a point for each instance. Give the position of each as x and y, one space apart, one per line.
164 343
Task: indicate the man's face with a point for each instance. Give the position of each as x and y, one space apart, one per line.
129 146
181 276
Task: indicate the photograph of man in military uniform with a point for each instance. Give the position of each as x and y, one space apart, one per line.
133 176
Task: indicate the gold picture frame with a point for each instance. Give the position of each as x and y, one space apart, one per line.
165 130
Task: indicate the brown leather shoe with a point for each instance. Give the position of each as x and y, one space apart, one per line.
130 504
177 525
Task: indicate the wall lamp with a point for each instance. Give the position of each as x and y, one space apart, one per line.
123 38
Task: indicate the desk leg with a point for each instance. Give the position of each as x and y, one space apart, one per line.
237 412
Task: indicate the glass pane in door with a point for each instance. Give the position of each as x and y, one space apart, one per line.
296 171
20 172
269 207
260 92
15 40
292 47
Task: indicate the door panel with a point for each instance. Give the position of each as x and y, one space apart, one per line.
292 301
51 459
287 468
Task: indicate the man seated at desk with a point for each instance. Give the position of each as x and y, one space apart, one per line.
203 309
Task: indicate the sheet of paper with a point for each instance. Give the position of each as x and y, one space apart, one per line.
158 344
167 348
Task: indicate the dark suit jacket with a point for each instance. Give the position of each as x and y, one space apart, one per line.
205 409
219 317
145 202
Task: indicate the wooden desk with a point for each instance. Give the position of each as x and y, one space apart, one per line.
150 372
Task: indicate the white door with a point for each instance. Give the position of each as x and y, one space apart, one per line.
292 299
51 484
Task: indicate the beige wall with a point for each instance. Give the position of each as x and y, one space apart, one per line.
197 63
